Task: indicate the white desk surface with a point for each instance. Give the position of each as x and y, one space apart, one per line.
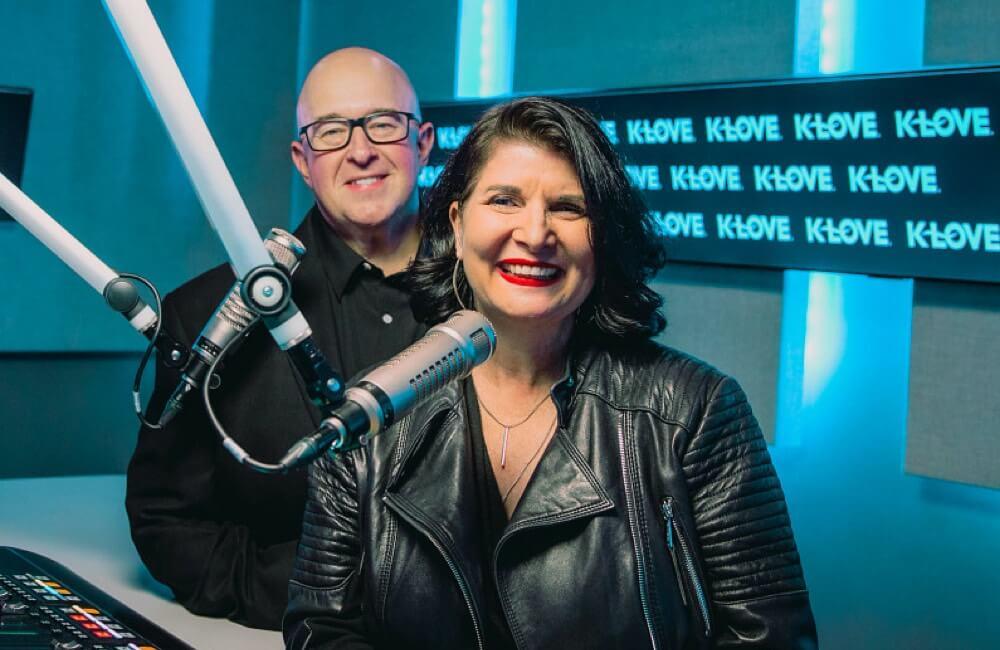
80 522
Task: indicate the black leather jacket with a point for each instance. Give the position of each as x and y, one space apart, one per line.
654 520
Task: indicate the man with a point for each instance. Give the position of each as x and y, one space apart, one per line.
220 536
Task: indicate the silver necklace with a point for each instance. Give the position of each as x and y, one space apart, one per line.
508 427
517 479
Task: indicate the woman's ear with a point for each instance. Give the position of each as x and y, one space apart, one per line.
455 217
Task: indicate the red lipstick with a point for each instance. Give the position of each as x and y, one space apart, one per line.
505 268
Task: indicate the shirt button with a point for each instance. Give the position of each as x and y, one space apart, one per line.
386 318
366 266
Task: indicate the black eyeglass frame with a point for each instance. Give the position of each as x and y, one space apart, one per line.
362 122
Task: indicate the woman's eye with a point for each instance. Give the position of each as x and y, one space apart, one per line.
503 201
568 210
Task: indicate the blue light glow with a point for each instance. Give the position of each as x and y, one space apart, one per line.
826 333
836 36
841 36
485 58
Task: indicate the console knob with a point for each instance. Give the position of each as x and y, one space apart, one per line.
66 645
13 608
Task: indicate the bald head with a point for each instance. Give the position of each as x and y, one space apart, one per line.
365 190
352 82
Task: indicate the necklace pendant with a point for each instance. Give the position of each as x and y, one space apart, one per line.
503 449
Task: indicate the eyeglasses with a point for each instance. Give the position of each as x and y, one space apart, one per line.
383 127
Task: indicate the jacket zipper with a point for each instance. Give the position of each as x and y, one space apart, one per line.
630 506
466 594
462 585
674 533
404 427
668 512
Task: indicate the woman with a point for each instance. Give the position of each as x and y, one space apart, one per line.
586 488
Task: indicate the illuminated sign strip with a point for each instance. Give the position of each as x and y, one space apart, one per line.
894 175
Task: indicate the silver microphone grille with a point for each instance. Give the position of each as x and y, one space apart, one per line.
235 311
471 326
448 351
435 375
483 345
284 248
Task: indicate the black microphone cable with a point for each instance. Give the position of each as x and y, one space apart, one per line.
137 382
228 442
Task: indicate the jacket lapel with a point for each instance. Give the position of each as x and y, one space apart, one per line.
435 476
563 488
435 482
434 490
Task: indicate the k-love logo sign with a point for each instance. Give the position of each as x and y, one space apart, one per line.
894 175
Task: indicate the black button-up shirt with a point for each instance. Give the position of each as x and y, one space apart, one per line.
371 317
222 537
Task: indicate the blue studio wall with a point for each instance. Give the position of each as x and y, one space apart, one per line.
100 162
893 559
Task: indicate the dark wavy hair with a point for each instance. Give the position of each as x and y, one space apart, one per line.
627 251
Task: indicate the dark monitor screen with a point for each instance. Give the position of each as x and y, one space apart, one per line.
893 175
15 108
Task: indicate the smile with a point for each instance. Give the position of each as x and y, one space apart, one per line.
529 273
365 182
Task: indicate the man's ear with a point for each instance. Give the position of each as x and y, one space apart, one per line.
300 162
455 217
425 141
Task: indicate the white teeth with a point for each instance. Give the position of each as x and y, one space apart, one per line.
366 181
541 272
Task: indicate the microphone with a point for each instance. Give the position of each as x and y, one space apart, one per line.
232 318
448 351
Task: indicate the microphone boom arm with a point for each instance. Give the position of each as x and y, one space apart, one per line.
118 292
266 288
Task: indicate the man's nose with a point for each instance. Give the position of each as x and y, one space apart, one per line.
360 150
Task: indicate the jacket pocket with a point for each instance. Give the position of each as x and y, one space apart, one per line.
680 550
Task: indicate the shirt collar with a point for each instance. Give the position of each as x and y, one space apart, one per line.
339 261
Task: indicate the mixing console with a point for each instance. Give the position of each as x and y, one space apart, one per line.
43 605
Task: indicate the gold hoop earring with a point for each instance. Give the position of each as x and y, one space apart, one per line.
454 284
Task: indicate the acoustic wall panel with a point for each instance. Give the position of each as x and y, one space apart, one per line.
953 428
731 318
